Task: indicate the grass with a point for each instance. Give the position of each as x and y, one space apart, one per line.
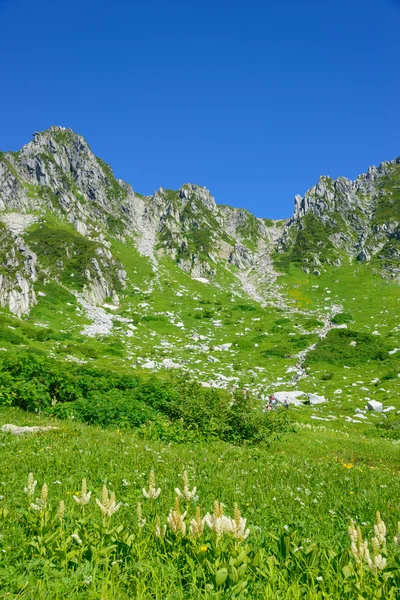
311 482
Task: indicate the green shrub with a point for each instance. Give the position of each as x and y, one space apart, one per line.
310 324
244 307
335 349
327 377
117 408
388 428
342 318
172 408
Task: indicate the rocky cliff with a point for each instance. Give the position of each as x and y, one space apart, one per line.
61 210
348 220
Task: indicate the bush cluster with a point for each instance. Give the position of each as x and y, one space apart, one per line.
337 349
172 408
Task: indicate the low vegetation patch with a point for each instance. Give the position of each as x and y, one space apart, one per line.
171 408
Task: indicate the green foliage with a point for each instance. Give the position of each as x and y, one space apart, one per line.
36 382
336 349
244 307
108 398
388 428
282 321
388 205
117 408
311 241
341 318
67 253
296 546
312 323
249 228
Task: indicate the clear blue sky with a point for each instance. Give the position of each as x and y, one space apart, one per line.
253 99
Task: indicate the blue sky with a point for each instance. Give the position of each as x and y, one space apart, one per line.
255 100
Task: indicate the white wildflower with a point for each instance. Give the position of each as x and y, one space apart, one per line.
41 502
141 520
176 519
239 530
160 529
61 512
218 522
152 492
108 504
380 531
352 531
85 495
76 537
196 526
31 485
186 493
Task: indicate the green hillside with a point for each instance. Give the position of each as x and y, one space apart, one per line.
151 331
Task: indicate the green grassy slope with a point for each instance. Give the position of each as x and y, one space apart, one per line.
310 482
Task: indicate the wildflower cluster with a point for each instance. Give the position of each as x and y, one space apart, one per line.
222 524
186 493
41 502
360 548
84 497
152 493
108 504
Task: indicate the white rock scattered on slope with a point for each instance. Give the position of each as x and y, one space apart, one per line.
170 364
315 399
293 397
102 322
149 365
16 430
375 405
201 279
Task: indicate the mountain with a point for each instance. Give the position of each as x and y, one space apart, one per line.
91 270
56 180
348 220
56 177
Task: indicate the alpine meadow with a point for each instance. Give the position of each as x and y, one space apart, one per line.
196 403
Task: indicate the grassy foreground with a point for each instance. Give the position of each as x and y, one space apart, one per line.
298 495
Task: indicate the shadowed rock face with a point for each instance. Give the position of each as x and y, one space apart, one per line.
56 188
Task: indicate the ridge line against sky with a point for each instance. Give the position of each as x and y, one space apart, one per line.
254 102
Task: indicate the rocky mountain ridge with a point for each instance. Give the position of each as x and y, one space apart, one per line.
61 208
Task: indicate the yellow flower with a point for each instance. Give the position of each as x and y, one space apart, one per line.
351 493
247 503
68 493
203 548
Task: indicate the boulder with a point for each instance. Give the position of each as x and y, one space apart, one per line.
375 405
149 365
222 347
315 399
293 397
169 364
16 430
